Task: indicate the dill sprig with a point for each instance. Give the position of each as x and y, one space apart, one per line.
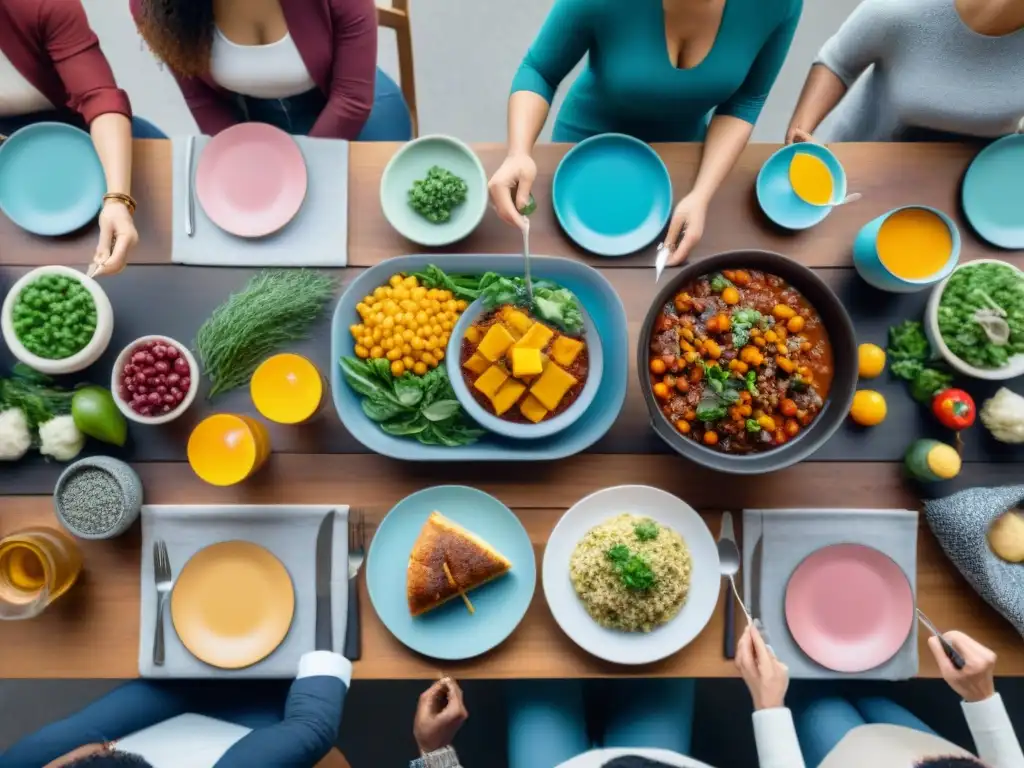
276 308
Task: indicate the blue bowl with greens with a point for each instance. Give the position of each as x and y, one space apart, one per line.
549 426
434 191
979 290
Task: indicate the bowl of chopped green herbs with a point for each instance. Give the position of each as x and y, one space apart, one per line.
434 191
975 320
57 320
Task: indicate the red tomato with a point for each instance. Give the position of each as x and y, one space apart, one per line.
954 409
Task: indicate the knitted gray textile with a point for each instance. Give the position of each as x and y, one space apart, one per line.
960 522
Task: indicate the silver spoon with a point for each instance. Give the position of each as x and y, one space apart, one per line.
853 197
526 259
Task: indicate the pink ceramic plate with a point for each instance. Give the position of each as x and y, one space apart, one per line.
849 607
251 179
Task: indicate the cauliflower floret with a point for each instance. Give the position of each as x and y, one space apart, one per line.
15 439
60 438
1003 416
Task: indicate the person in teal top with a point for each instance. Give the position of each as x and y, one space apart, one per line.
657 70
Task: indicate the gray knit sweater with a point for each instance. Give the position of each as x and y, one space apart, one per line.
930 73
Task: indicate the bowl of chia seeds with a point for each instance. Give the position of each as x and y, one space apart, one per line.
98 498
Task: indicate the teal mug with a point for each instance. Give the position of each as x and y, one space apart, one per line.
870 266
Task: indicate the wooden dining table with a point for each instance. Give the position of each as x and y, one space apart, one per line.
94 630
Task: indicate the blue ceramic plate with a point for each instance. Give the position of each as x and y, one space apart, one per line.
612 194
993 193
593 290
410 164
51 180
450 631
776 196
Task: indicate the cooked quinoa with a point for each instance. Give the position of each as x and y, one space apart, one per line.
599 584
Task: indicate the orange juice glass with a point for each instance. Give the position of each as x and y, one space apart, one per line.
37 565
287 389
227 448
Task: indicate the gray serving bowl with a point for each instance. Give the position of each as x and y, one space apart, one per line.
844 351
127 480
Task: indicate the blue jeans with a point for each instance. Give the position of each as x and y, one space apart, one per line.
822 722
142 703
389 118
141 128
551 721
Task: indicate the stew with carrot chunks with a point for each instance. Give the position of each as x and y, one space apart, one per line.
740 361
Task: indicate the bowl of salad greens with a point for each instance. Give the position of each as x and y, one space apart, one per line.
434 190
57 320
975 320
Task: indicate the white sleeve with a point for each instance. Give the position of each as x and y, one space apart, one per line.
327 664
775 735
861 41
993 734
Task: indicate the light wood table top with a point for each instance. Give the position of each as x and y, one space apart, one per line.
93 631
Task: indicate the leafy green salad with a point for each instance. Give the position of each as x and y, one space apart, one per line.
972 293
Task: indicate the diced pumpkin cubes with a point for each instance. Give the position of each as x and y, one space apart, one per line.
518 322
564 350
490 381
507 396
536 338
477 364
526 362
496 343
532 409
552 385
472 335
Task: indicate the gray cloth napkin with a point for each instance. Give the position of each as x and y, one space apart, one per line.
289 532
316 237
787 537
960 522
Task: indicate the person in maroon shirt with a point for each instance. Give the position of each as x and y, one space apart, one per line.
52 68
308 67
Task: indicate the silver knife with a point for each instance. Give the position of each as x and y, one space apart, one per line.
664 251
324 556
754 601
190 146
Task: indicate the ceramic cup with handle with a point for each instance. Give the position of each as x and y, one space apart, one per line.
870 265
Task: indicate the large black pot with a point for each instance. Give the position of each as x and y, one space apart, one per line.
844 349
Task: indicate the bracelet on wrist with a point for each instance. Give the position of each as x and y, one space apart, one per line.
119 197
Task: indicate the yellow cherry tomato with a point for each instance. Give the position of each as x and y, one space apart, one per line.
868 408
870 360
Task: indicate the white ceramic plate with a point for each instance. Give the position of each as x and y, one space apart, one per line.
632 647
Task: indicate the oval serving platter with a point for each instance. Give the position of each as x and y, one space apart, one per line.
593 290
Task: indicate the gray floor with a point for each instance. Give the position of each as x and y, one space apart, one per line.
376 731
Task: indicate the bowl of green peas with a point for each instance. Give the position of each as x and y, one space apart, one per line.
56 320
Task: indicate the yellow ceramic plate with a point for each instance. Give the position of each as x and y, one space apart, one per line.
232 604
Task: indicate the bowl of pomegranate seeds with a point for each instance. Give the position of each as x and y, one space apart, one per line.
154 380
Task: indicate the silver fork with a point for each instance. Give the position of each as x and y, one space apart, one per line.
162 570
356 556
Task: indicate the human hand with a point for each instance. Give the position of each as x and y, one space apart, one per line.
688 222
117 236
515 176
977 680
796 135
766 677
439 715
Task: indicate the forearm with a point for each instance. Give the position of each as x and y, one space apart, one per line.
112 136
527 112
822 91
993 733
726 138
775 735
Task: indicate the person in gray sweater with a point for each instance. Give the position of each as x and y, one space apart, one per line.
932 70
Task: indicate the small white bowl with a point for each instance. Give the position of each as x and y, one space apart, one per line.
163 418
85 356
931 326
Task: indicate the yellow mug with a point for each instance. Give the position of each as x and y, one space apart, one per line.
227 448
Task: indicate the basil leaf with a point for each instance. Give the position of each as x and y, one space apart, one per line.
441 410
408 426
409 390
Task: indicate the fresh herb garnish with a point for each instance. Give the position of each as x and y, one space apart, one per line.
928 383
742 321
752 426
750 380
647 530
420 406
720 282
634 571
797 383
711 409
